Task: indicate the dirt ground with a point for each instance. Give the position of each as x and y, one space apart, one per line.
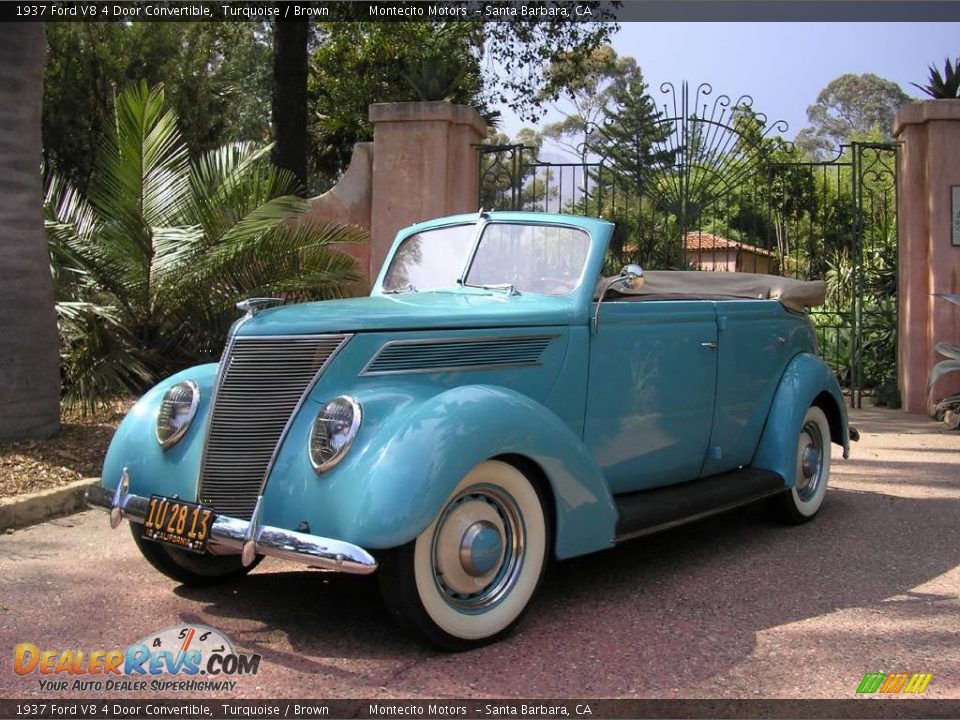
75 453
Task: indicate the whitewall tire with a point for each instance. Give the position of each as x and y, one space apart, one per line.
803 501
467 578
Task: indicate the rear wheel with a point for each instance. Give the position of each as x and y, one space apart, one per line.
190 568
802 502
466 579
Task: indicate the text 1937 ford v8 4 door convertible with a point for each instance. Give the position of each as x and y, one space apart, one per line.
490 405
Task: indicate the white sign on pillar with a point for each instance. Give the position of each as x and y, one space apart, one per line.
955 214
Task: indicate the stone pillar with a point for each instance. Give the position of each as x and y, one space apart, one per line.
424 166
929 164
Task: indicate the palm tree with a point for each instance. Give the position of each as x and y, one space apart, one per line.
29 377
148 268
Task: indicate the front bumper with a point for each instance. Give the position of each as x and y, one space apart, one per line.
247 538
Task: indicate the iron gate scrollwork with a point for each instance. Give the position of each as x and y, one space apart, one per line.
708 183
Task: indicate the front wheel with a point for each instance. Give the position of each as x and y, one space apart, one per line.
466 579
802 502
190 568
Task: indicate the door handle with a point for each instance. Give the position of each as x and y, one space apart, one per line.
711 345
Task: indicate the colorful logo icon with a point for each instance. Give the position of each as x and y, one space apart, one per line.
894 683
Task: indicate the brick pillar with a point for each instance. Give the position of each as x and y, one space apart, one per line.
424 166
929 164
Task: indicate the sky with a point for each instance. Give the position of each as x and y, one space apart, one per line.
783 66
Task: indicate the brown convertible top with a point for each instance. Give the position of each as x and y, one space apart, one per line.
703 285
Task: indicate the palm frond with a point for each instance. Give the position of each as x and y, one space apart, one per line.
98 356
941 369
943 86
948 350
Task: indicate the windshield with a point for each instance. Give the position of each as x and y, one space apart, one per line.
430 260
533 258
536 258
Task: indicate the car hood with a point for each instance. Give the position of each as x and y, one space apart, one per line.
415 311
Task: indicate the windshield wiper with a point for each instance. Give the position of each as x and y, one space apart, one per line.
507 288
404 289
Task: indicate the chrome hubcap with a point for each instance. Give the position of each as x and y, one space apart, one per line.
809 462
481 548
478 548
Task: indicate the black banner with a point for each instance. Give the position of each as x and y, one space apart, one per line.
530 709
478 11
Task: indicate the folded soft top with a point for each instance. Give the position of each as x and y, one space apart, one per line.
705 285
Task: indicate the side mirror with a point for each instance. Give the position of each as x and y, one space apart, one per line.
631 277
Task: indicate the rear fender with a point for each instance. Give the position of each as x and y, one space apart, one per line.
807 381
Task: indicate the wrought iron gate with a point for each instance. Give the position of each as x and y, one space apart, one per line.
709 183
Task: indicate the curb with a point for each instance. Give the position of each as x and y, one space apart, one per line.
22 511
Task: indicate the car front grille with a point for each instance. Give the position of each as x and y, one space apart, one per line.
260 384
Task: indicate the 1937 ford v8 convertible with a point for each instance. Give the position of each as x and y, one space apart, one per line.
490 405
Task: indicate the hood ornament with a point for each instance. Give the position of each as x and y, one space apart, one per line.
252 306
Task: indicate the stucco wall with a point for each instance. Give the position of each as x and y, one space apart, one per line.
422 164
929 164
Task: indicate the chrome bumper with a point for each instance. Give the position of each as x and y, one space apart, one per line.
247 538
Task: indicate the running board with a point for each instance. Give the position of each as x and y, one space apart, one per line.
649 511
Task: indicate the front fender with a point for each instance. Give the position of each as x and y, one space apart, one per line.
393 483
134 445
807 380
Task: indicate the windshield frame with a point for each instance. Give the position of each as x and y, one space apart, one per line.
597 231
486 221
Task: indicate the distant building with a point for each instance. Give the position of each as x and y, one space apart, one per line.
706 251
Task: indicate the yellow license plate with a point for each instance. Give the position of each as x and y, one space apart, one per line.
183 524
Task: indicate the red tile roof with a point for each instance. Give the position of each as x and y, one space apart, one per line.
697 241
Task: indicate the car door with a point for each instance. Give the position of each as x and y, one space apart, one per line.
754 348
650 392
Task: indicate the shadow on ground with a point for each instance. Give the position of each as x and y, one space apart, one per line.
652 614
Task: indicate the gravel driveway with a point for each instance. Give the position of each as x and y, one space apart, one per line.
731 607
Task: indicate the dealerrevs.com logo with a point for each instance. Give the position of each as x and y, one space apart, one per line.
182 657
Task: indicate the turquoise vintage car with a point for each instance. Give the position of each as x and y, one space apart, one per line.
495 402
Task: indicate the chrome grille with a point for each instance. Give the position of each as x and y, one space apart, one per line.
260 385
482 353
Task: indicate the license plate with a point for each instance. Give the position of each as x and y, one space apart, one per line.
178 522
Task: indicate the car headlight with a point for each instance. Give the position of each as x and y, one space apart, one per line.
176 412
333 432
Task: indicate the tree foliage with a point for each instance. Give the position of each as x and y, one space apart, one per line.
148 265
589 93
356 64
216 75
847 109
226 81
633 134
531 63
484 65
